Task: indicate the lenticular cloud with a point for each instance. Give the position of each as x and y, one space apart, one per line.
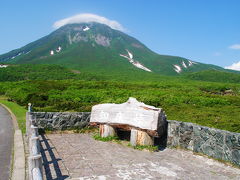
86 18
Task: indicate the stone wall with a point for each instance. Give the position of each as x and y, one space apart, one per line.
61 121
219 144
215 143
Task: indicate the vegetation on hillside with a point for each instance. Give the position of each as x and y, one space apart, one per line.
214 76
35 72
55 72
206 103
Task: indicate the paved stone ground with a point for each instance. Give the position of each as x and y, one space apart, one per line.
79 156
53 166
6 143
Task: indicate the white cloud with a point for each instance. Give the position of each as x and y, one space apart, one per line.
235 46
86 18
234 66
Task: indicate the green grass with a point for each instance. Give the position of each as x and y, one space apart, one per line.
123 142
145 147
105 139
88 129
18 111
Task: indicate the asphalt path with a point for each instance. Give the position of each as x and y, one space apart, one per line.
6 143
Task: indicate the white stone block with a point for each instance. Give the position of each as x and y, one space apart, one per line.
132 113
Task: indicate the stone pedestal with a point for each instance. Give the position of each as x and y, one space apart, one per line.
140 138
106 130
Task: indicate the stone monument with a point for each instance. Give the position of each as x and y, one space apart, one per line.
145 122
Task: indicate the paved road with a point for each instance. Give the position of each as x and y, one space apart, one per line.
6 143
80 157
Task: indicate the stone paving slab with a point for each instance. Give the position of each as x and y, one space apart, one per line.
83 158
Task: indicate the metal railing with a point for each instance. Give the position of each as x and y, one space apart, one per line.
35 157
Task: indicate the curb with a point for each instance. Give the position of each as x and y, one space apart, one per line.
18 171
19 157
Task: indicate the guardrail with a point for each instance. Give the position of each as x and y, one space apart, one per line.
35 157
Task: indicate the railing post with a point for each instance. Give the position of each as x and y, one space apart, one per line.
29 107
33 130
28 119
36 172
35 162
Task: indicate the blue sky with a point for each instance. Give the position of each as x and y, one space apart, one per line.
207 31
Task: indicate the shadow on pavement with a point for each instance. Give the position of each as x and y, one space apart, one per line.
55 172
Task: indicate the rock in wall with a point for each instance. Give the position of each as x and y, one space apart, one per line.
61 121
215 143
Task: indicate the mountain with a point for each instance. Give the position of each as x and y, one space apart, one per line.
94 47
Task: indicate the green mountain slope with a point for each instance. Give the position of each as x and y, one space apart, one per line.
19 72
37 72
214 76
96 48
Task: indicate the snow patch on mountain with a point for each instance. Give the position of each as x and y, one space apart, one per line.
86 28
190 63
19 54
3 66
129 54
129 59
137 64
59 49
184 65
52 52
177 68
140 66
